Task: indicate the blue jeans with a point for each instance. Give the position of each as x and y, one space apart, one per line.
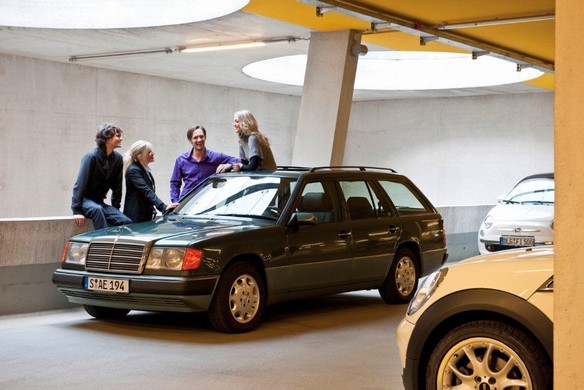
103 215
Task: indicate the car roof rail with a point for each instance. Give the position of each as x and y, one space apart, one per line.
361 168
292 168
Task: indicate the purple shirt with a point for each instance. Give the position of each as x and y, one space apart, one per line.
191 172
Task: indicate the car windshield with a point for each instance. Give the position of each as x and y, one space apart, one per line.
534 191
239 196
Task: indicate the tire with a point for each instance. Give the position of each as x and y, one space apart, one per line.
479 352
105 313
239 299
401 282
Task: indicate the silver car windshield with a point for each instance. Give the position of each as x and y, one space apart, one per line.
536 191
240 196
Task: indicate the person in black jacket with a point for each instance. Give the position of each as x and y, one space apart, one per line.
100 172
141 199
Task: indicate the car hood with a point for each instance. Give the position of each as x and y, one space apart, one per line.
522 212
176 230
519 271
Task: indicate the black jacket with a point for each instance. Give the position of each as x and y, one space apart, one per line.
97 175
140 194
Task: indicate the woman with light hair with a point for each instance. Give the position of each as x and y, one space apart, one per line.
141 199
254 146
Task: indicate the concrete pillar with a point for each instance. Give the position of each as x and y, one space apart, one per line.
569 208
327 94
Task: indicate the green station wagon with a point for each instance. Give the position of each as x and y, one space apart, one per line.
242 241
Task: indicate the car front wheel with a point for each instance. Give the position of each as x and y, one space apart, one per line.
402 280
488 355
239 299
105 313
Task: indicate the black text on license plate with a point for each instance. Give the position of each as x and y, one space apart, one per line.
107 284
517 241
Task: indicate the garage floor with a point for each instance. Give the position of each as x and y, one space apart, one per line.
344 341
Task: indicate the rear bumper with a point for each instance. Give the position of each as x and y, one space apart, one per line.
147 292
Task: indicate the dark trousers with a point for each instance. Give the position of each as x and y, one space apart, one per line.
103 215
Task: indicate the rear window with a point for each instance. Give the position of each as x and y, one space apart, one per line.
404 199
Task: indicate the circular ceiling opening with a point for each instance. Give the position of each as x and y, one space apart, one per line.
393 70
96 14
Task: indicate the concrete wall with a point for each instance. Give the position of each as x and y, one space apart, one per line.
459 151
50 112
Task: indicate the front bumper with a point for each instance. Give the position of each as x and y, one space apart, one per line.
147 292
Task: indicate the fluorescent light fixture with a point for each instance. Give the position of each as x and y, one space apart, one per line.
92 14
235 45
393 70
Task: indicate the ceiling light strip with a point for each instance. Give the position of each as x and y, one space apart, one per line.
188 49
496 22
235 45
166 50
450 38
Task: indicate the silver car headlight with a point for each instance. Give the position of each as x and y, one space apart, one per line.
75 252
488 222
175 259
426 290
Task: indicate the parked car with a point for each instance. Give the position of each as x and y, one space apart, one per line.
524 217
482 323
241 241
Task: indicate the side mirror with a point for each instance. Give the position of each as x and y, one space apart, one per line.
302 218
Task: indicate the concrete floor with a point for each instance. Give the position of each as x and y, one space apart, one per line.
344 341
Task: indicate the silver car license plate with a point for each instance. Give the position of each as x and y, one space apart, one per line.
517 240
108 285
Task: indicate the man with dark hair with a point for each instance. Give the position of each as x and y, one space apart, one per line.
101 170
196 165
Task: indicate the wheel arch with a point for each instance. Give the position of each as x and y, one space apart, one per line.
415 248
251 258
470 305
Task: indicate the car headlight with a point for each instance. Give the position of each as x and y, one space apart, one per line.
426 290
75 252
488 222
175 259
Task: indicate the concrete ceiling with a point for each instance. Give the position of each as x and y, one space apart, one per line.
518 38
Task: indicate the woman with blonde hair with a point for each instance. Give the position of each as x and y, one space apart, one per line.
254 146
141 196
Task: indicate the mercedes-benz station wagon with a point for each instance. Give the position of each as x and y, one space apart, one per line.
241 241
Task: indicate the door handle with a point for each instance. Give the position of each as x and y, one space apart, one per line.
344 235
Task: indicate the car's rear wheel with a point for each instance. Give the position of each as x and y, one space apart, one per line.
105 313
402 280
239 299
488 355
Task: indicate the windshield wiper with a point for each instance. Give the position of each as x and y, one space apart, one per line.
249 216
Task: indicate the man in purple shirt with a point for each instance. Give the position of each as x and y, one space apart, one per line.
196 165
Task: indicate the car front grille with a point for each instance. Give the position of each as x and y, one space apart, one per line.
115 255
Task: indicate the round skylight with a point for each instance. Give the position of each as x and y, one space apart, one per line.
96 14
393 70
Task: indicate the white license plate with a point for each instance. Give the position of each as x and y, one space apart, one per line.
517 241
108 285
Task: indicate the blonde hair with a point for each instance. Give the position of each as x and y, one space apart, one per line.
249 125
137 152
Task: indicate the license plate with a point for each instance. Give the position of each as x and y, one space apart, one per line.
517 241
109 285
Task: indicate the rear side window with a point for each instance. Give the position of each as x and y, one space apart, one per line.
404 199
361 201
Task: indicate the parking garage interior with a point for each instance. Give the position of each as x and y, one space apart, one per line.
463 148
